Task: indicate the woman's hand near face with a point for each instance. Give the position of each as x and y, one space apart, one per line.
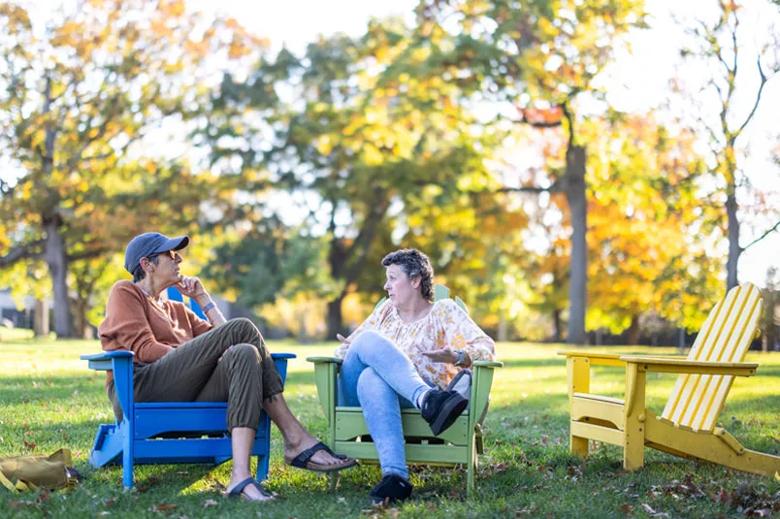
447 355
191 286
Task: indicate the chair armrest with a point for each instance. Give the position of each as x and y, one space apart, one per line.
595 359
283 356
325 371
324 360
107 355
487 364
480 389
673 365
105 361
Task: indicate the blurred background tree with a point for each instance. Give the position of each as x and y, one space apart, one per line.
482 132
717 44
75 104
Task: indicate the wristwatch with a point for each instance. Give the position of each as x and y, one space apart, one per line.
460 358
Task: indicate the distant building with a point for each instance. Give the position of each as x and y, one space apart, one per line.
10 314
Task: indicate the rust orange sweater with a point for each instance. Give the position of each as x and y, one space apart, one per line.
135 322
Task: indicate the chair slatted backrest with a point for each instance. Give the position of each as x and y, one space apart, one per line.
725 336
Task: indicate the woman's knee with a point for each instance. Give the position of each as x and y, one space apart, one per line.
370 339
369 382
242 353
241 323
246 330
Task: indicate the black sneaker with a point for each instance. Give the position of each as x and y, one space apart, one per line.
441 408
392 488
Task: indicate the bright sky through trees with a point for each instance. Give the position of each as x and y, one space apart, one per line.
636 82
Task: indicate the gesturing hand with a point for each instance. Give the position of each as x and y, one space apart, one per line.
442 355
191 287
342 339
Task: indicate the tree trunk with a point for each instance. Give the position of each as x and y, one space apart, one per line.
56 259
347 262
41 318
558 330
575 195
503 329
54 248
632 337
334 318
81 327
769 338
733 234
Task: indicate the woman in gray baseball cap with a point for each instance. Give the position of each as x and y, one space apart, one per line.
181 357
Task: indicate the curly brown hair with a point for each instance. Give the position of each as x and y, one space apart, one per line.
414 263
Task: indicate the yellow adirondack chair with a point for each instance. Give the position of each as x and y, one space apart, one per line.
687 426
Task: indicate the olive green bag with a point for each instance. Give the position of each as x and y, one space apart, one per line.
22 473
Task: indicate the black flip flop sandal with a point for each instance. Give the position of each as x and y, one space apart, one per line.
304 461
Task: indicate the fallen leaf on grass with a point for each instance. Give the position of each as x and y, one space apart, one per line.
647 508
653 513
496 468
209 503
573 472
755 501
21 505
163 507
146 485
626 508
678 489
722 496
43 496
379 511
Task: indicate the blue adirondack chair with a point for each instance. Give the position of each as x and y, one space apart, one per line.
169 432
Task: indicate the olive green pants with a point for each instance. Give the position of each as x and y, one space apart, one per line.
229 363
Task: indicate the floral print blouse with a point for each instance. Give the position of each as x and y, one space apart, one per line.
446 325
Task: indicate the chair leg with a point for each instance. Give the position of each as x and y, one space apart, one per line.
578 446
470 481
634 419
127 464
262 467
333 481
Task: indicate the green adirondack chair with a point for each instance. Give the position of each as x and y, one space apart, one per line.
458 445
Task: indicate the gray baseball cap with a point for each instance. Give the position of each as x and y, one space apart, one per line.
149 244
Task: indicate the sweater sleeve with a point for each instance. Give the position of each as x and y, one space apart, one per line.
463 333
127 327
199 326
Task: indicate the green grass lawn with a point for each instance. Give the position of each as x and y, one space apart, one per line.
48 400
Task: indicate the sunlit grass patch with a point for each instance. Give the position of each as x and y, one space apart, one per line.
49 399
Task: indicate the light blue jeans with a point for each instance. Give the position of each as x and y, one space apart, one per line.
381 379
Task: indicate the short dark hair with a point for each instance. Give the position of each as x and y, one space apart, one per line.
414 263
139 273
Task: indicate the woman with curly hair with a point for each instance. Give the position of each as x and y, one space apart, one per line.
410 352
